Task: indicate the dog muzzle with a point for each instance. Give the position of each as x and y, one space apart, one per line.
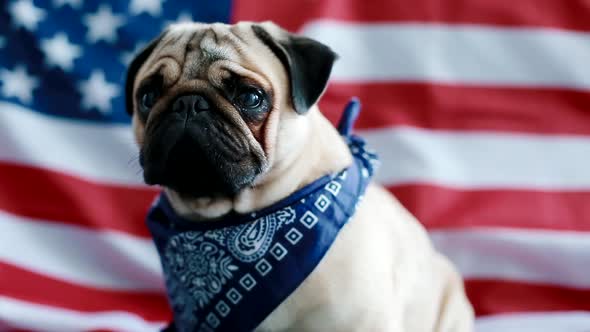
230 274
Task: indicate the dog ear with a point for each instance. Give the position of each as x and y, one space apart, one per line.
133 69
308 64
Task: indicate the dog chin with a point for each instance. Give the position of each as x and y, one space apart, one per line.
193 173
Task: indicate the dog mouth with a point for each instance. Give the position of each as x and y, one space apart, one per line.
198 155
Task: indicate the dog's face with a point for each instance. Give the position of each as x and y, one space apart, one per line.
216 106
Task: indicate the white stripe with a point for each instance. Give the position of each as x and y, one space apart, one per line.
548 257
482 159
119 261
536 322
35 317
457 159
95 151
96 259
456 53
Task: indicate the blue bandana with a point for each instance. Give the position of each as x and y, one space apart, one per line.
230 274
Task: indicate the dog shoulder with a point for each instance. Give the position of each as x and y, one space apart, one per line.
362 283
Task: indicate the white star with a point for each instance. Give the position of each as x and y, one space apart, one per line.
183 17
126 57
26 15
18 84
97 92
153 7
103 25
60 52
74 3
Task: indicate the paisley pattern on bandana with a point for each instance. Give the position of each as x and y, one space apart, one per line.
197 266
229 275
249 242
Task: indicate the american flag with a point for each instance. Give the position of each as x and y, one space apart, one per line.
479 109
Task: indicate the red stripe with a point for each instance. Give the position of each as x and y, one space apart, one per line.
28 286
48 195
440 207
495 296
531 13
41 195
453 107
487 296
5 327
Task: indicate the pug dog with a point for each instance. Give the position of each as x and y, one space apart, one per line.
227 123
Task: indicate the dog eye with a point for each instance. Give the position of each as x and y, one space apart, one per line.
149 98
249 99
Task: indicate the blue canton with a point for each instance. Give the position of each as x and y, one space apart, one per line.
230 274
68 58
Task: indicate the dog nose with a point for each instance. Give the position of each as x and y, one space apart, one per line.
190 104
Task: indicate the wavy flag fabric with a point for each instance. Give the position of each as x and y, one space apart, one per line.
479 110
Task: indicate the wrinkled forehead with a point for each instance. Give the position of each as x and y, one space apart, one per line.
207 41
193 47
